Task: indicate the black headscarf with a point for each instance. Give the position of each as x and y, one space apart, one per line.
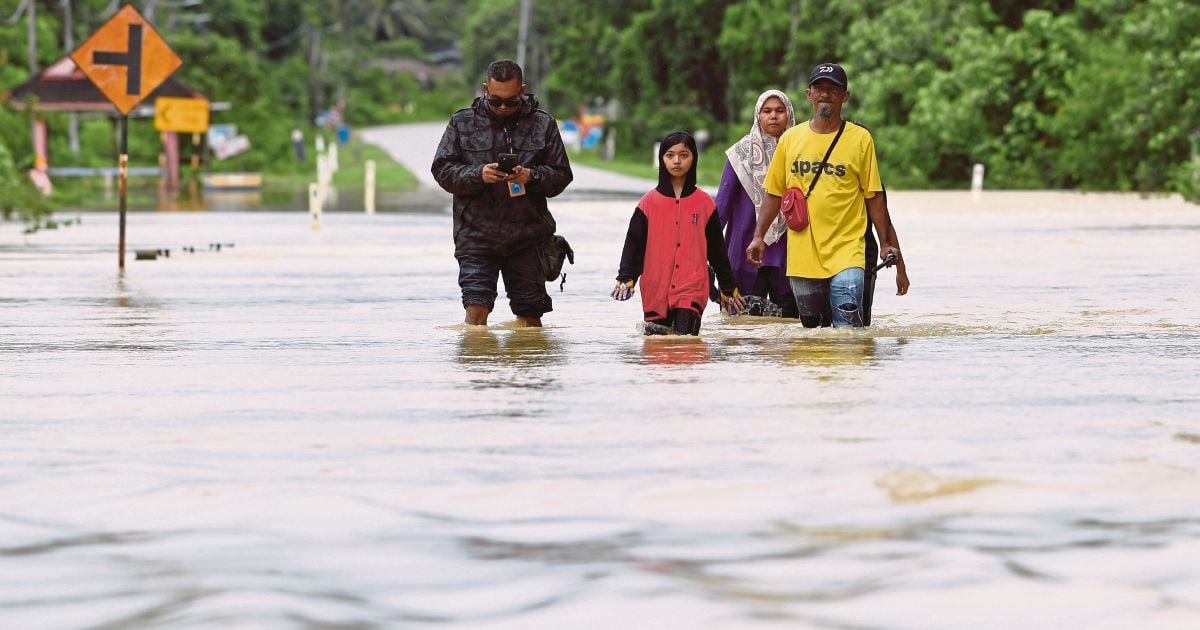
664 177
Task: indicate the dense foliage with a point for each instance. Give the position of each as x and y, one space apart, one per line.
1091 94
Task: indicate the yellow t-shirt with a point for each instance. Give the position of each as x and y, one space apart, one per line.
837 210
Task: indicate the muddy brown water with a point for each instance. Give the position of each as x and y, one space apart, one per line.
296 431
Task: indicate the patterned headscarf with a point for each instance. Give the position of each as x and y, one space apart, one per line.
751 156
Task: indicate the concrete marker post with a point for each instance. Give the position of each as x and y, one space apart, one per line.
977 181
328 190
314 206
369 191
323 177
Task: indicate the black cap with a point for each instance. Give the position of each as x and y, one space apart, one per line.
830 71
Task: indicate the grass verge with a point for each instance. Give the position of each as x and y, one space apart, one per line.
390 175
708 172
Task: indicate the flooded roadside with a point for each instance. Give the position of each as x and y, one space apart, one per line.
297 431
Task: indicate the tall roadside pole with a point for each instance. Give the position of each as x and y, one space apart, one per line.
523 32
69 44
126 59
31 32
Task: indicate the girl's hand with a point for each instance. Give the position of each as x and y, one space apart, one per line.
623 291
732 304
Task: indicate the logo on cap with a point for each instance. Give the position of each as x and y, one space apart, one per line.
829 71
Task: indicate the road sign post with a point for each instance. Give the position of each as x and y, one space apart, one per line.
127 60
123 189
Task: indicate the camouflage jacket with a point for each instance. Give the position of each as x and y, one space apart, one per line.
486 218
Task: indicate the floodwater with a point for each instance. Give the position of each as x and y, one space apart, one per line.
295 432
147 193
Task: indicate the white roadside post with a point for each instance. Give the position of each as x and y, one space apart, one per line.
321 177
325 179
369 191
656 147
977 181
333 157
328 190
314 206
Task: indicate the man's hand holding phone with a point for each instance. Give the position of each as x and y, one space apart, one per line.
516 173
504 170
492 174
521 175
508 163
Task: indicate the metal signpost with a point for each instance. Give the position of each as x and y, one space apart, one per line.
126 59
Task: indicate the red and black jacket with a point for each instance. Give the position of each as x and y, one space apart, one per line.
670 245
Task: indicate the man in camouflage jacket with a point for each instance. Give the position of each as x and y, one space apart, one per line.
501 218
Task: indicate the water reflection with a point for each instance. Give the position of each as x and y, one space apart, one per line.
478 345
180 200
136 315
821 351
509 358
675 350
153 196
127 296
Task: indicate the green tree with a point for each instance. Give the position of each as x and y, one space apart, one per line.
1133 105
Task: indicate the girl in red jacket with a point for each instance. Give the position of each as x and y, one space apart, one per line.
673 237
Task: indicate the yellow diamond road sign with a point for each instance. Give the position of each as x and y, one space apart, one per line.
188 115
127 59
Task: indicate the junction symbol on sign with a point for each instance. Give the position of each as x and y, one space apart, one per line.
126 59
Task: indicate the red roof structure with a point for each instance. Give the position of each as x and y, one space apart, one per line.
62 86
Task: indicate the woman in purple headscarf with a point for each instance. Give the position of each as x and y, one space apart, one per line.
739 200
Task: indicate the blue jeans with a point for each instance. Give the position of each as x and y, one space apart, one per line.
835 301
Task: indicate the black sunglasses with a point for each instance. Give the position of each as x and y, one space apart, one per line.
497 102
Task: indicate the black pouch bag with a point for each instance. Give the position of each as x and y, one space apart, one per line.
552 253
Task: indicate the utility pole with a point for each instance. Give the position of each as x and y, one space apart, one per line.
148 10
31 30
316 102
69 45
523 32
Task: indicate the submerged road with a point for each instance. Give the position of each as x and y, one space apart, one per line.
413 146
297 432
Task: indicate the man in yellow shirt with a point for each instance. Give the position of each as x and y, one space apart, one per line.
825 260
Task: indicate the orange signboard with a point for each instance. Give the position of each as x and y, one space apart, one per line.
189 115
126 58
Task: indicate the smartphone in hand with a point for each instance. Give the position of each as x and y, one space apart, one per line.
508 162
